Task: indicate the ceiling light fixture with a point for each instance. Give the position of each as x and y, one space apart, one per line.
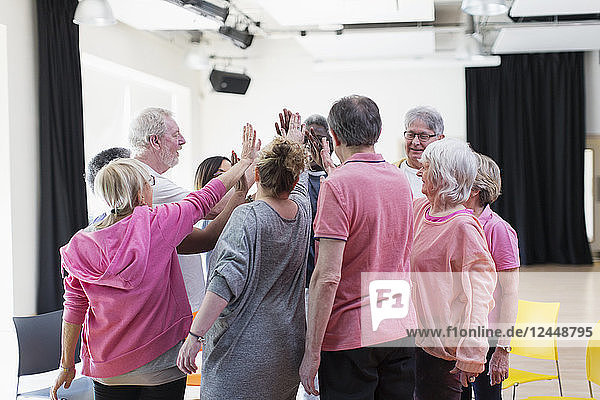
242 39
197 58
207 9
94 12
484 7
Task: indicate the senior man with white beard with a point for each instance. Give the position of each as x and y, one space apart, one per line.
155 140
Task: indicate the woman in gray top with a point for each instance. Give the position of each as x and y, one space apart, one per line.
252 318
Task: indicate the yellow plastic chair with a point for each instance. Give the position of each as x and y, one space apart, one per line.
592 367
533 313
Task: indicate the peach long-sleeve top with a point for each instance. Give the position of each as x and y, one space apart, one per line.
453 278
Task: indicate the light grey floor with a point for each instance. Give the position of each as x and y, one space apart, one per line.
578 291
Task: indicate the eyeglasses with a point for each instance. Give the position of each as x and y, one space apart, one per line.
423 137
151 181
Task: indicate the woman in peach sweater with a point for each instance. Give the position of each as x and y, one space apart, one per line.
453 274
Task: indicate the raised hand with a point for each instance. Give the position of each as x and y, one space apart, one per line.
315 146
296 130
327 162
320 152
234 158
250 145
284 119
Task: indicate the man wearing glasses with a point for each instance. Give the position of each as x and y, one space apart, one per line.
424 125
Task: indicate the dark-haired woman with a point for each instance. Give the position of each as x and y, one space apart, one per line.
208 169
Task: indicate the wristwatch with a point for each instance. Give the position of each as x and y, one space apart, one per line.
198 338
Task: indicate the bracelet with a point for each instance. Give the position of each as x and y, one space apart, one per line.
66 369
198 338
506 348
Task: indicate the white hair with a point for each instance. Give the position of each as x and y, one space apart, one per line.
150 122
452 170
427 115
119 184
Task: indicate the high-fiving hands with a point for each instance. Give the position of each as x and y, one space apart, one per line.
320 152
250 145
284 118
296 130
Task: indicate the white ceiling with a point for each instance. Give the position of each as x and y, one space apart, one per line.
158 15
326 12
547 39
370 45
526 8
289 17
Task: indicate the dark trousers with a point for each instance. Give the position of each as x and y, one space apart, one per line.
433 378
481 386
367 373
169 391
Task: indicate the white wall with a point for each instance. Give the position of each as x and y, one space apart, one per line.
153 56
592 92
120 44
7 338
19 19
283 75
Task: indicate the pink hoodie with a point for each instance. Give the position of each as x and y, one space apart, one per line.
125 284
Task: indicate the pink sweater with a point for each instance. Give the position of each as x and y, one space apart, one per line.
125 284
453 279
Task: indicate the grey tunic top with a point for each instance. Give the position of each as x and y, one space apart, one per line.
255 347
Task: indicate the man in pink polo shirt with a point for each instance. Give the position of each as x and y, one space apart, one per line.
364 226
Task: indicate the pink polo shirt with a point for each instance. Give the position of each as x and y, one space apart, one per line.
504 246
367 203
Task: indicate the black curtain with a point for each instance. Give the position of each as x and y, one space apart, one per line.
528 114
63 206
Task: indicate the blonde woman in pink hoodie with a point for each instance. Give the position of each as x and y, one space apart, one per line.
124 292
453 274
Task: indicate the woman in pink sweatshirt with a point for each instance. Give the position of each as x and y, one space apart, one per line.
124 291
453 274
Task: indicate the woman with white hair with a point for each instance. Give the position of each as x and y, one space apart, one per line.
453 274
125 288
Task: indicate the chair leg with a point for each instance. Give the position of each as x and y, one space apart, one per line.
590 387
514 391
559 381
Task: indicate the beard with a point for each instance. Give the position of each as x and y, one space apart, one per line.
170 159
